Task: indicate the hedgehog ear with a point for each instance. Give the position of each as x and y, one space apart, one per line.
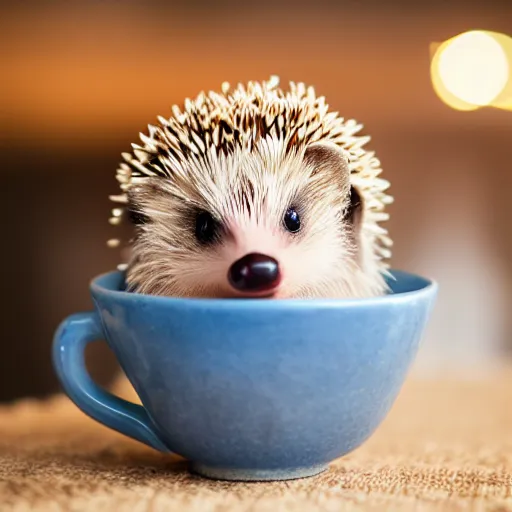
330 158
138 196
354 211
134 207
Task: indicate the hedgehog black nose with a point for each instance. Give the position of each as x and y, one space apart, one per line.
254 273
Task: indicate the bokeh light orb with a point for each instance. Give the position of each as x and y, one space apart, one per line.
474 70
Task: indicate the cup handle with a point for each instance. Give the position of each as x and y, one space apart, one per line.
71 338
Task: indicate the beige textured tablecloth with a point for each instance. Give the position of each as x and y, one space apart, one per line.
446 445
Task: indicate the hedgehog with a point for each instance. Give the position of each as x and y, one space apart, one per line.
254 192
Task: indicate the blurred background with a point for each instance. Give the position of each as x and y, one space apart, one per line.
79 80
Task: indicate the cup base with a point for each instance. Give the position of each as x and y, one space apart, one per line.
256 475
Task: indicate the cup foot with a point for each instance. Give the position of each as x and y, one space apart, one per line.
256 475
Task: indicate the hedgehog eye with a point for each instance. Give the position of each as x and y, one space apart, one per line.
207 228
292 220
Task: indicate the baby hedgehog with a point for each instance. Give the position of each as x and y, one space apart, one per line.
255 192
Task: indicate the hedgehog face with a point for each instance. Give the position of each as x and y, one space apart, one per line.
270 222
254 192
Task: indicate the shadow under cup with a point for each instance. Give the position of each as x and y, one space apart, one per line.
248 389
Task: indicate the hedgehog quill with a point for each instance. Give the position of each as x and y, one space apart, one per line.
254 192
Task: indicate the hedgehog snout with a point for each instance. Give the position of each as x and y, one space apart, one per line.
254 273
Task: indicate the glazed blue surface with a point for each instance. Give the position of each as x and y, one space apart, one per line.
248 389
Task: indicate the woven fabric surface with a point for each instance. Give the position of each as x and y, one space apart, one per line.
446 445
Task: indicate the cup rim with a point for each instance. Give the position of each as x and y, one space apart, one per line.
423 288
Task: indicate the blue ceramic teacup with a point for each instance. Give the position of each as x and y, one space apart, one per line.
248 389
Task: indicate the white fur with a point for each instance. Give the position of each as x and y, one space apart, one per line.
320 262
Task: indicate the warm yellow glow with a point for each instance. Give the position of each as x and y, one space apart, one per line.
473 70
